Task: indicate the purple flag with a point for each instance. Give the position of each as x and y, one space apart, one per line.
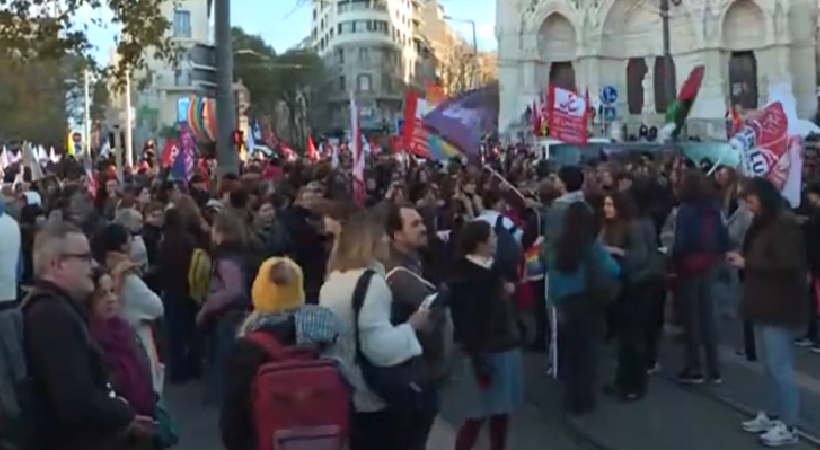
461 120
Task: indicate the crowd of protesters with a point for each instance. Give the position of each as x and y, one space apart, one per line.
149 281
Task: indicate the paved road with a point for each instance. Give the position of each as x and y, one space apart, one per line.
671 418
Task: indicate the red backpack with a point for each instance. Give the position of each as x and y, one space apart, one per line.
298 401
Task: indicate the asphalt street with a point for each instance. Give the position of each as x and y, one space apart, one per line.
672 417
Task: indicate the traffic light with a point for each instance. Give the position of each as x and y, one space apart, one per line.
237 137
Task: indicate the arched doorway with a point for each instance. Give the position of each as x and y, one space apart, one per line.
635 73
742 35
557 46
662 100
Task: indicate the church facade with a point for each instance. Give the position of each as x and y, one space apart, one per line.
746 46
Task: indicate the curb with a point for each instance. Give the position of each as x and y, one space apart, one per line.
807 437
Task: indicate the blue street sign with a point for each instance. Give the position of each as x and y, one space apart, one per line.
609 95
609 113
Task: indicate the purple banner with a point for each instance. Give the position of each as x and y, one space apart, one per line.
461 120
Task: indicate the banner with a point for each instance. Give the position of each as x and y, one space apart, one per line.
567 116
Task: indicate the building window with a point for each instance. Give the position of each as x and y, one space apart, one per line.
364 55
387 82
182 23
340 55
364 83
636 70
342 83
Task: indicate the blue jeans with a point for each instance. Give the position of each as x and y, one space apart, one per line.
221 340
778 361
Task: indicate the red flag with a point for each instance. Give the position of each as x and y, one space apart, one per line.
310 149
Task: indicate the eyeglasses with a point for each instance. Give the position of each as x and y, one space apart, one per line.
84 257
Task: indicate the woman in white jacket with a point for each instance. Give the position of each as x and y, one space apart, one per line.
140 306
360 243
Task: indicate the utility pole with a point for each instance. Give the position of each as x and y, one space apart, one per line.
129 136
668 67
86 114
225 112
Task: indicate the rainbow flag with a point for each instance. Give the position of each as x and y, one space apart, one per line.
533 268
439 148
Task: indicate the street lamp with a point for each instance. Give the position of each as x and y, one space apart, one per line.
471 22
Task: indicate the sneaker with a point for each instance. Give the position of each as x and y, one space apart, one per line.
779 435
815 348
714 377
803 342
655 368
689 376
760 424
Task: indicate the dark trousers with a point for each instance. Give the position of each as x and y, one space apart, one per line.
184 354
811 328
420 422
580 323
381 430
657 319
540 343
633 322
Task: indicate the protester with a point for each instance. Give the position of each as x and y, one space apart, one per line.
361 243
485 326
73 404
774 301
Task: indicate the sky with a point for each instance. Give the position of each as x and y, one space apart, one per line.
286 25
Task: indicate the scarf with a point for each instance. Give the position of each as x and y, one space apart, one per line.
127 363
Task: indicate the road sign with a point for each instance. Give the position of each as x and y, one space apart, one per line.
609 95
609 113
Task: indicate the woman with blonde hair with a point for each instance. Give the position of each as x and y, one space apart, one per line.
360 244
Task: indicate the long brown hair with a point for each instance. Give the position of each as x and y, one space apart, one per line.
613 231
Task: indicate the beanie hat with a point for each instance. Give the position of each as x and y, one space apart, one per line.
278 286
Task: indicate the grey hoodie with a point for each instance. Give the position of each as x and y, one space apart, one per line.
552 221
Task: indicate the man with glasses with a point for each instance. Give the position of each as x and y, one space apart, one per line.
73 406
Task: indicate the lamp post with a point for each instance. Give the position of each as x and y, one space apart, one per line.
225 114
471 22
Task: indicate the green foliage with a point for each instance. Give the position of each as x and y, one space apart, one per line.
50 30
100 97
253 64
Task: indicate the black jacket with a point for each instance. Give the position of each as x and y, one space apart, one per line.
235 417
72 405
484 318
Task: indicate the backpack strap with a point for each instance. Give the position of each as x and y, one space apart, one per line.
359 293
268 343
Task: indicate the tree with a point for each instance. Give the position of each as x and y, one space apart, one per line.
100 97
253 64
299 77
457 69
45 30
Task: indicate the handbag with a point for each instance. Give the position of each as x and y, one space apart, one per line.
166 428
402 386
600 286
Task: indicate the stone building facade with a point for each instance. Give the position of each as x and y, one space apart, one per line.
747 46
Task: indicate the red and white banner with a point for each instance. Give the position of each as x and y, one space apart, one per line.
567 116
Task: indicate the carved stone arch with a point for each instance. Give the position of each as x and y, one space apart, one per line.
761 8
535 19
622 29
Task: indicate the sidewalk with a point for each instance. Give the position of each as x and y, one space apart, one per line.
744 386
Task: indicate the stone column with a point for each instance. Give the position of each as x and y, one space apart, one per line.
648 85
711 102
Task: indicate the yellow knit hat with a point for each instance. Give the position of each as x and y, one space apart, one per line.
278 286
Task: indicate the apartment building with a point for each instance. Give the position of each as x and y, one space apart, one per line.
370 47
